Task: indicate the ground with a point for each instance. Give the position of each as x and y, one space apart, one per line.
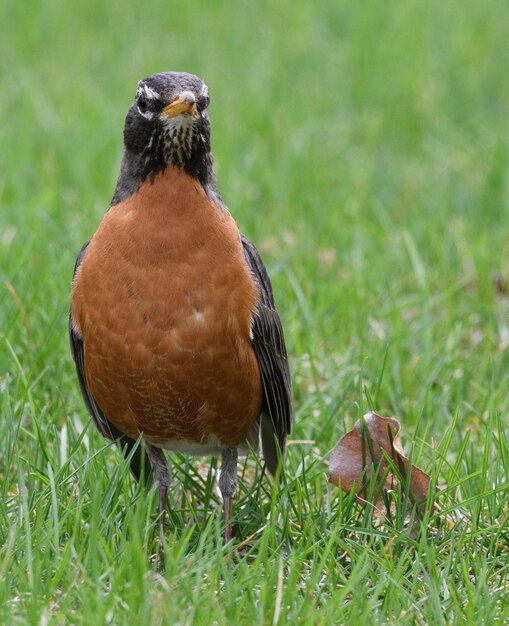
364 148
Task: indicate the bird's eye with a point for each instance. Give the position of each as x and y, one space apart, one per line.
203 103
142 103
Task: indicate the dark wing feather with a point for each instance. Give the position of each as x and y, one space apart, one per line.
269 346
140 463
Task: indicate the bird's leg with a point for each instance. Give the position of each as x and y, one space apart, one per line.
228 485
162 476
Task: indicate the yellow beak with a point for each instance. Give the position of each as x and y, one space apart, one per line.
184 104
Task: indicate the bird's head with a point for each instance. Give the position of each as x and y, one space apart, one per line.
168 124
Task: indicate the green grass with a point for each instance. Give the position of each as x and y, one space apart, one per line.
364 148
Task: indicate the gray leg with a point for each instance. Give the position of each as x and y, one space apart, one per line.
228 486
162 477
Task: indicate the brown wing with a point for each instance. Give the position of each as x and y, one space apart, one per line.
269 346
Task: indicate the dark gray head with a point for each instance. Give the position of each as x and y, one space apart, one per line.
167 124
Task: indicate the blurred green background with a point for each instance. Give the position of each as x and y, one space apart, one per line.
363 147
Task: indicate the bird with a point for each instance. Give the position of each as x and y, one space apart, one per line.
173 328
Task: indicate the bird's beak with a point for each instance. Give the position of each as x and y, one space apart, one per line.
184 104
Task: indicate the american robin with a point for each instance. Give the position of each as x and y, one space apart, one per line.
173 326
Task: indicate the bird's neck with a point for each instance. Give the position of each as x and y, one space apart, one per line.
135 169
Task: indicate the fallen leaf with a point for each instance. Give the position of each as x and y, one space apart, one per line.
364 450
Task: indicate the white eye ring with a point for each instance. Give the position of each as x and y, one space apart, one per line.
148 115
149 95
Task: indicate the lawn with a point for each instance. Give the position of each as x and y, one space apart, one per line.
364 148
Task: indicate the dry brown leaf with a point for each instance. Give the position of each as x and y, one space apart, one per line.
361 451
